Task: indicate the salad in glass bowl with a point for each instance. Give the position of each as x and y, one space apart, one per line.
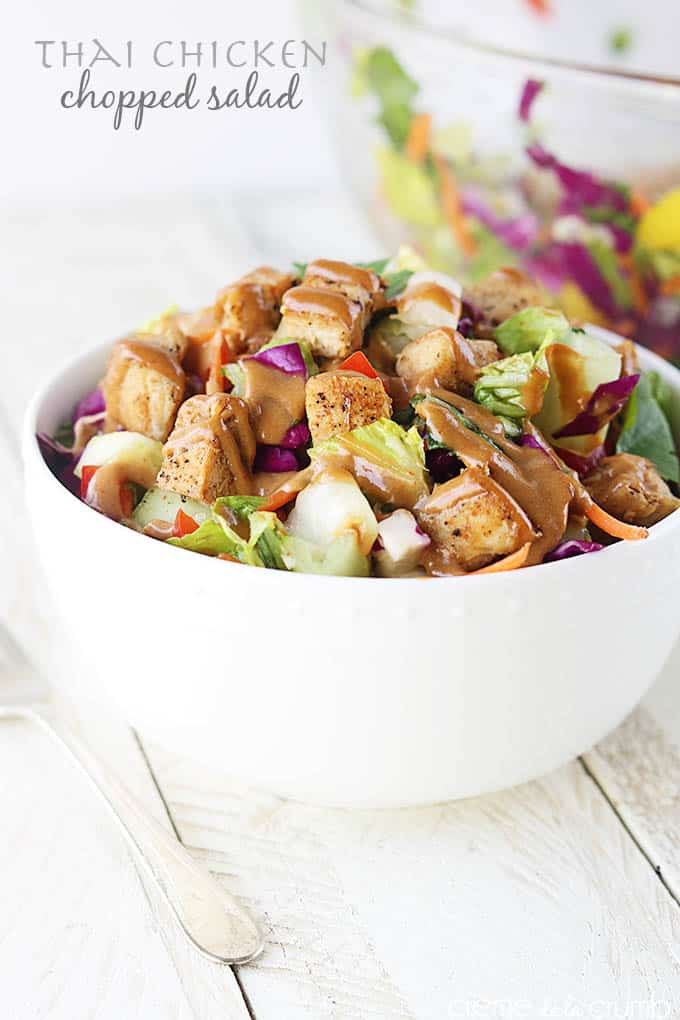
485 157
374 419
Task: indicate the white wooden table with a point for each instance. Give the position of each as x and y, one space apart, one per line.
556 899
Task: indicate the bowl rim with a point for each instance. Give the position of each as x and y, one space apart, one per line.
640 84
34 461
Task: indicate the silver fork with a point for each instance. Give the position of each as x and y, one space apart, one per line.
211 919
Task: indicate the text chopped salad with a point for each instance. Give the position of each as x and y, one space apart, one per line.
374 419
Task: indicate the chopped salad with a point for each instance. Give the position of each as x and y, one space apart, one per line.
609 252
374 419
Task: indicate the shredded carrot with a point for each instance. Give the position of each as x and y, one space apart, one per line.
512 562
277 500
671 286
450 200
540 6
612 526
639 203
418 138
637 289
226 556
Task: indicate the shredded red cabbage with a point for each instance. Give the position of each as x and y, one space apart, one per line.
442 464
572 547
547 268
581 267
92 403
287 358
531 89
275 459
60 460
604 404
581 465
528 440
580 185
518 233
297 435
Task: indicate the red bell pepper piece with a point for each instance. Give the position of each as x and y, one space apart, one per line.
358 362
184 525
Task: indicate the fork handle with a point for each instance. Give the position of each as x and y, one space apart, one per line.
209 916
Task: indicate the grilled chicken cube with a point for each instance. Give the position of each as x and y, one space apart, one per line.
143 388
429 302
472 520
445 359
501 295
360 285
211 450
485 351
631 488
251 305
340 401
328 320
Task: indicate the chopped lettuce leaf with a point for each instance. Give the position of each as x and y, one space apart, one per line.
211 539
241 506
332 505
646 431
662 264
267 536
396 457
454 141
607 262
504 386
528 330
342 558
409 189
406 258
378 71
280 550
236 376
573 380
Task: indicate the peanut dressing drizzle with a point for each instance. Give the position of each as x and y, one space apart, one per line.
154 358
435 293
276 399
531 478
343 273
319 301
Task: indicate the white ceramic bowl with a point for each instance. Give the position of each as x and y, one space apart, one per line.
353 691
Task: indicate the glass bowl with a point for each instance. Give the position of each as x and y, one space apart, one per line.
574 178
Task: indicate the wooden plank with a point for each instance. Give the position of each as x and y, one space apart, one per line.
537 894
638 768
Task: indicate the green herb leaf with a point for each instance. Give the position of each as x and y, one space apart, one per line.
646 431
300 268
378 266
397 282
